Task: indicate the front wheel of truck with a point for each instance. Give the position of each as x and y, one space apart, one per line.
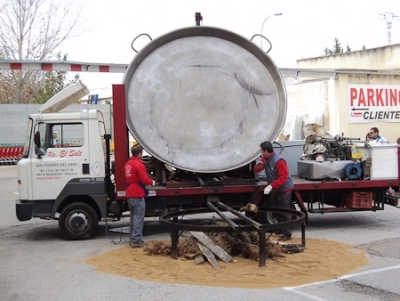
78 221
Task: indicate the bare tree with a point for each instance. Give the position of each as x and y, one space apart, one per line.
32 30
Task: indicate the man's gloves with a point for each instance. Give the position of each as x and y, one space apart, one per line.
249 208
259 164
154 183
267 189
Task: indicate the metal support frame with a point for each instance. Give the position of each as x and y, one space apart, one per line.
245 224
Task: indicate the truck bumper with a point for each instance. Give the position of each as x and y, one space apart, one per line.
23 210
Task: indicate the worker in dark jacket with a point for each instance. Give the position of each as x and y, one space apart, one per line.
136 176
280 184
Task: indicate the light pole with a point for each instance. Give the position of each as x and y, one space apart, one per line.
262 26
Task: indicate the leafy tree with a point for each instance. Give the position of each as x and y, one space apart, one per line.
32 30
348 49
337 48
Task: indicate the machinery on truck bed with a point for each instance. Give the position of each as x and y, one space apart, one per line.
200 100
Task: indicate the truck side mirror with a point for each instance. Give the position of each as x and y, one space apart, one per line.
38 150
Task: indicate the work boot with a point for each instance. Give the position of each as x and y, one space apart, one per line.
249 208
253 208
245 208
139 244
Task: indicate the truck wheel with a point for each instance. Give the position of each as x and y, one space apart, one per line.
78 221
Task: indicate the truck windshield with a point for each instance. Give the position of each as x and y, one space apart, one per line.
28 135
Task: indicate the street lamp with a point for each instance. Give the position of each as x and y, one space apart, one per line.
262 26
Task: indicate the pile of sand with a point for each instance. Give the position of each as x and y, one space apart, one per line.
322 260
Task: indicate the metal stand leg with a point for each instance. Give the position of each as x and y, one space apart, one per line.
174 244
106 227
261 248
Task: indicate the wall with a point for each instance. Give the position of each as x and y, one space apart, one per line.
307 102
330 96
382 58
389 130
330 99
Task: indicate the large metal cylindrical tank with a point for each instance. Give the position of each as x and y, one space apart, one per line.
202 99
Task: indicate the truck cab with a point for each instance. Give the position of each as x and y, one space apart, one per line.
63 169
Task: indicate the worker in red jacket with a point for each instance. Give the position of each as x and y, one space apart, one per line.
136 177
280 185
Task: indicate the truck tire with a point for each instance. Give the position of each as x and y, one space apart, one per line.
78 221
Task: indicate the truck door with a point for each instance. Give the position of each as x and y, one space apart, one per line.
63 156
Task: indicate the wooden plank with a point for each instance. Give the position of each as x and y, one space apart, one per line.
217 250
209 255
190 255
199 259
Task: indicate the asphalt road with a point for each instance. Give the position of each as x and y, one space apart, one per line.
38 264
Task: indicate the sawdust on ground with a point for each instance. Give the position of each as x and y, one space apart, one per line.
322 260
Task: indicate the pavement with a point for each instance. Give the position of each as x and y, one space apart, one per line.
38 264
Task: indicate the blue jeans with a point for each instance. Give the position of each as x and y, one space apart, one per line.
137 207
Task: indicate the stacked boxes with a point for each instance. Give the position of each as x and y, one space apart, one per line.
358 199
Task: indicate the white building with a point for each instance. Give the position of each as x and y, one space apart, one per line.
348 93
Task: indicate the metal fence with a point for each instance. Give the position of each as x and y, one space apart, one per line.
10 153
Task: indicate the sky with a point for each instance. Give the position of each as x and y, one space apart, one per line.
304 30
